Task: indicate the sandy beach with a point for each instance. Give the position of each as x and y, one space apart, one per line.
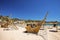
20 35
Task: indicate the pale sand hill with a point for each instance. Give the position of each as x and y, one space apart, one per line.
19 35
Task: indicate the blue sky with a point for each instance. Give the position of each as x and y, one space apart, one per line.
31 9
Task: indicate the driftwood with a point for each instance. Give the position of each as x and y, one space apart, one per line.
7 23
29 29
4 25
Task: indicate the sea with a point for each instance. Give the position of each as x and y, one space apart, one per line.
51 24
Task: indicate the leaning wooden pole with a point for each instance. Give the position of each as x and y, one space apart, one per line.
43 21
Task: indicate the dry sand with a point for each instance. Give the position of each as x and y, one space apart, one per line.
19 35
53 35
